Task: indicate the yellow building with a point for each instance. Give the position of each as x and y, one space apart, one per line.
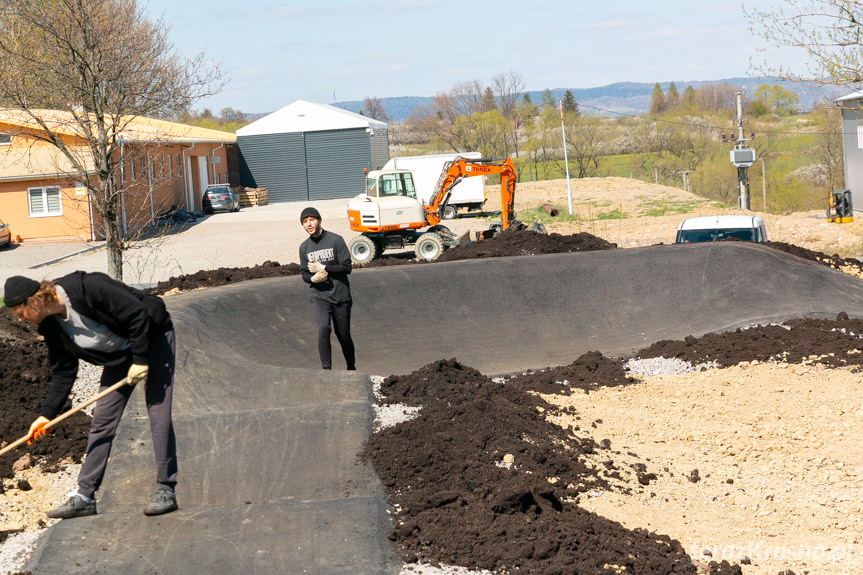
159 164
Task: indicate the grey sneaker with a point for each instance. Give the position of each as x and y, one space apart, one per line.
74 507
161 502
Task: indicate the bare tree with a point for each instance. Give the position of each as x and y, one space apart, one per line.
374 108
442 119
462 118
585 140
508 88
90 68
829 32
828 147
716 96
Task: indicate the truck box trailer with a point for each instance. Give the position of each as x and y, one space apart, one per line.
469 193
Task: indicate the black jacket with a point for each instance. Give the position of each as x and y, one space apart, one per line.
126 311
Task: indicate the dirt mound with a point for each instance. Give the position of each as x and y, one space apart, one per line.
852 266
223 276
517 241
477 461
24 380
834 343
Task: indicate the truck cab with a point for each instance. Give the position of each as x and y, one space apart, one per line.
389 203
714 228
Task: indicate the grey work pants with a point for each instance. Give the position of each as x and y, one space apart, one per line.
158 391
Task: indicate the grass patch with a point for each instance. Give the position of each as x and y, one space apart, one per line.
655 207
612 215
540 215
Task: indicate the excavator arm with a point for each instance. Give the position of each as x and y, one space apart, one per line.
461 168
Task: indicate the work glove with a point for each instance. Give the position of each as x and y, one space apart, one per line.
317 267
137 373
320 277
37 429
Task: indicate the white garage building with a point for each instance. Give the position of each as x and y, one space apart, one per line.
308 151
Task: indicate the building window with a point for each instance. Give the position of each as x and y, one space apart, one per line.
5 140
44 202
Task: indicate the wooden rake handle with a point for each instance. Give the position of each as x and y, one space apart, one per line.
66 414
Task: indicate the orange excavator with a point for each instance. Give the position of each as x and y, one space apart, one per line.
389 216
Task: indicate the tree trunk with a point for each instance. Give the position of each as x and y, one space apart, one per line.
114 246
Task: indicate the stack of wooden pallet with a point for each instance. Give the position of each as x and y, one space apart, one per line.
252 196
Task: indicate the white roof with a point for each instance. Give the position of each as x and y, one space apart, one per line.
853 96
720 222
302 116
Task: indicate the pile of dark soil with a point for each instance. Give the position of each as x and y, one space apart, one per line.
24 380
835 261
460 503
223 276
836 343
515 241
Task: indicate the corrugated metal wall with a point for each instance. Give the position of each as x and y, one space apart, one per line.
312 165
276 162
335 160
380 148
853 154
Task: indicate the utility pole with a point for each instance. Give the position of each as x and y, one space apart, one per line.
741 156
565 156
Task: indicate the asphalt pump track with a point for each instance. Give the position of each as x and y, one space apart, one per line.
270 481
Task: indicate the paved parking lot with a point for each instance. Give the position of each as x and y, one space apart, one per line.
245 238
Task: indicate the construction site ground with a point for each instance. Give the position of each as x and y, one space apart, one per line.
757 463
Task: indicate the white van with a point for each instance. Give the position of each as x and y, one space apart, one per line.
713 228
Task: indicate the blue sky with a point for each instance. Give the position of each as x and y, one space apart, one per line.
323 51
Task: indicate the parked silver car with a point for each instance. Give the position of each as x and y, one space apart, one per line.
220 197
5 235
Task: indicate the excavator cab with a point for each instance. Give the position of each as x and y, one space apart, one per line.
841 210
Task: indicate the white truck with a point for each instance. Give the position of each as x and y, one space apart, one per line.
469 193
713 228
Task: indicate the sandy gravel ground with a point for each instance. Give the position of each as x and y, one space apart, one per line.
777 452
653 212
776 447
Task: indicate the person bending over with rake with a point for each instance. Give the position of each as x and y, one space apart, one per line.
105 322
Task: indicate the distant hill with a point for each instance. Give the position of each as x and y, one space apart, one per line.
618 98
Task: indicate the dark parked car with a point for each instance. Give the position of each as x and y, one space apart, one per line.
5 235
220 197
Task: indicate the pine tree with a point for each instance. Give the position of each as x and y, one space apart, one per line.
689 97
569 104
548 99
672 97
657 100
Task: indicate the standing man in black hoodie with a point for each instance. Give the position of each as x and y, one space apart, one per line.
105 322
325 264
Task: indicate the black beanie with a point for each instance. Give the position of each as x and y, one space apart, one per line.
310 212
18 289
